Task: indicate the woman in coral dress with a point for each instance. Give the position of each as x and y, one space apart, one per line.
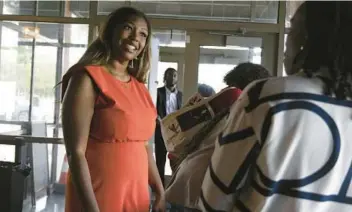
108 118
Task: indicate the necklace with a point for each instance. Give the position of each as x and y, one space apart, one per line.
126 84
123 78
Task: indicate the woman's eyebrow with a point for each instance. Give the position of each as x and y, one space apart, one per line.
128 22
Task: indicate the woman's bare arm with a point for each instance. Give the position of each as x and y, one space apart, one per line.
77 112
153 174
155 181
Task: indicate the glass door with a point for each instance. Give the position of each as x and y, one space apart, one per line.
171 51
216 61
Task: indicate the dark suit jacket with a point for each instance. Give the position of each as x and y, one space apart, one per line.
161 101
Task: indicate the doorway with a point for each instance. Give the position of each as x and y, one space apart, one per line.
210 55
216 61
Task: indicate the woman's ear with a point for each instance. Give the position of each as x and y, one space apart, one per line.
296 38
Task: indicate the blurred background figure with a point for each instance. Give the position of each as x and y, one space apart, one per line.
205 90
169 100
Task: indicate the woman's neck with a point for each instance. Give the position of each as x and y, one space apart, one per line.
120 71
120 66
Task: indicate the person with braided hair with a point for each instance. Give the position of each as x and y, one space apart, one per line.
288 141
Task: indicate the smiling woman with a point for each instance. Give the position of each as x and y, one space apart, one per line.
115 43
108 117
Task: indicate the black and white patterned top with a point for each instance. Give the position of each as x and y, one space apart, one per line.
286 147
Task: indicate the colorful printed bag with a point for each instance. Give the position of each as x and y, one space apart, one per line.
179 127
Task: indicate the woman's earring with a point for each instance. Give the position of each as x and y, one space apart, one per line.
131 65
299 60
132 62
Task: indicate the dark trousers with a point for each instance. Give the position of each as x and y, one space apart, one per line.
160 153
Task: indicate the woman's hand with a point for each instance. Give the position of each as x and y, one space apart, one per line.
155 183
160 203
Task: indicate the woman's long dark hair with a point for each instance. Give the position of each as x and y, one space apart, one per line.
101 51
329 44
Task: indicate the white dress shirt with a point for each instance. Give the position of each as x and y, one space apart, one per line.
171 101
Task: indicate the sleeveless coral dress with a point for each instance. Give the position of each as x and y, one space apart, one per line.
122 123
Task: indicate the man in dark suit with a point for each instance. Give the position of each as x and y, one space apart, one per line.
169 100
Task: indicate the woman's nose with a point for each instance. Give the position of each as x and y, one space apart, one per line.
133 35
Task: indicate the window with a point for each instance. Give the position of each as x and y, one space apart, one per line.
106 7
291 7
171 38
216 61
60 156
68 8
15 72
283 67
206 74
7 152
248 11
23 47
33 54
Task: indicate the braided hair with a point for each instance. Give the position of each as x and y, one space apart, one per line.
328 44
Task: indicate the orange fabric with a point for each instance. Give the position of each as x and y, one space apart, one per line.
123 120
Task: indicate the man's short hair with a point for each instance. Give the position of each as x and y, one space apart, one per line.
167 71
